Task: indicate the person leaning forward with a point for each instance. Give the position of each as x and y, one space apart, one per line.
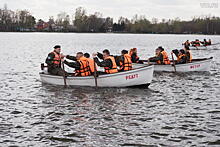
53 62
81 65
108 62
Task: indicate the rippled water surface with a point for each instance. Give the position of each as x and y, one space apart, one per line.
176 110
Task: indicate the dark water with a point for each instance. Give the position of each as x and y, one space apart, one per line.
176 110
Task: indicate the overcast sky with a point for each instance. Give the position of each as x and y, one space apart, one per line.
183 9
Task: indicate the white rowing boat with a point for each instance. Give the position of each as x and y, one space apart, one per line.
197 65
138 76
214 46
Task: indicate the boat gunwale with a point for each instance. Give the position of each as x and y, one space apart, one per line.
187 64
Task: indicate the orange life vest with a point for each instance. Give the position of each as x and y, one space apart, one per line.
84 69
91 64
165 57
179 57
57 58
113 69
197 43
127 65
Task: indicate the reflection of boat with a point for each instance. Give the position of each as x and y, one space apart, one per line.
204 47
195 65
138 76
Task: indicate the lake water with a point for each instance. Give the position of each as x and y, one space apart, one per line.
176 110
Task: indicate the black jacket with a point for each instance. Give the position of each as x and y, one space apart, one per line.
49 61
157 58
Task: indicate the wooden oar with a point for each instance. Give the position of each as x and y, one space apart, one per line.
174 65
95 74
64 76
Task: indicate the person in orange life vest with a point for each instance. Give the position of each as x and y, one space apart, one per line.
81 65
205 42
187 43
125 61
134 56
165 57
161 57
53 62
196 42
91 63
108 62
158 58
181 56
188 54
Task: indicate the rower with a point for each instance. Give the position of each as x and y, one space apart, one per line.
181 56
125 61
188 54
197 42
53 62
81 65
161 56
91 63
187 43
108 62
134 56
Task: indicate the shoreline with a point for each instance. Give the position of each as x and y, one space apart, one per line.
106 33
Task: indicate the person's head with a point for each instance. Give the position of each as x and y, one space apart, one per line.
182 52
123 52
204 40
157 51
160 48
87 55
209 40
135 50
106 53
79 55
57 48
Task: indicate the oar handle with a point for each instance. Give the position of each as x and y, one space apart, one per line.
95 74
174 65
64 76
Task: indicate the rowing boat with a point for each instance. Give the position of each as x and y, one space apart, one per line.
138 76
208 47
197 65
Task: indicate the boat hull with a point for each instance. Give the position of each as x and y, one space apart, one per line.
139 76
198 65
203 47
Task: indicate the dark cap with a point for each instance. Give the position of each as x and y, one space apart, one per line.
57 46
87 55
124 52
160 48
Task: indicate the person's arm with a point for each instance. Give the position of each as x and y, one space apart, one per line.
100 55
72 64
105 63
156 58
50 59
71 58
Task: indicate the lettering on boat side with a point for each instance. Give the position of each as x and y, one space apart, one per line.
129 77
195 66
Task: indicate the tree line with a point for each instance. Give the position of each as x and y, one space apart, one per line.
22 20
